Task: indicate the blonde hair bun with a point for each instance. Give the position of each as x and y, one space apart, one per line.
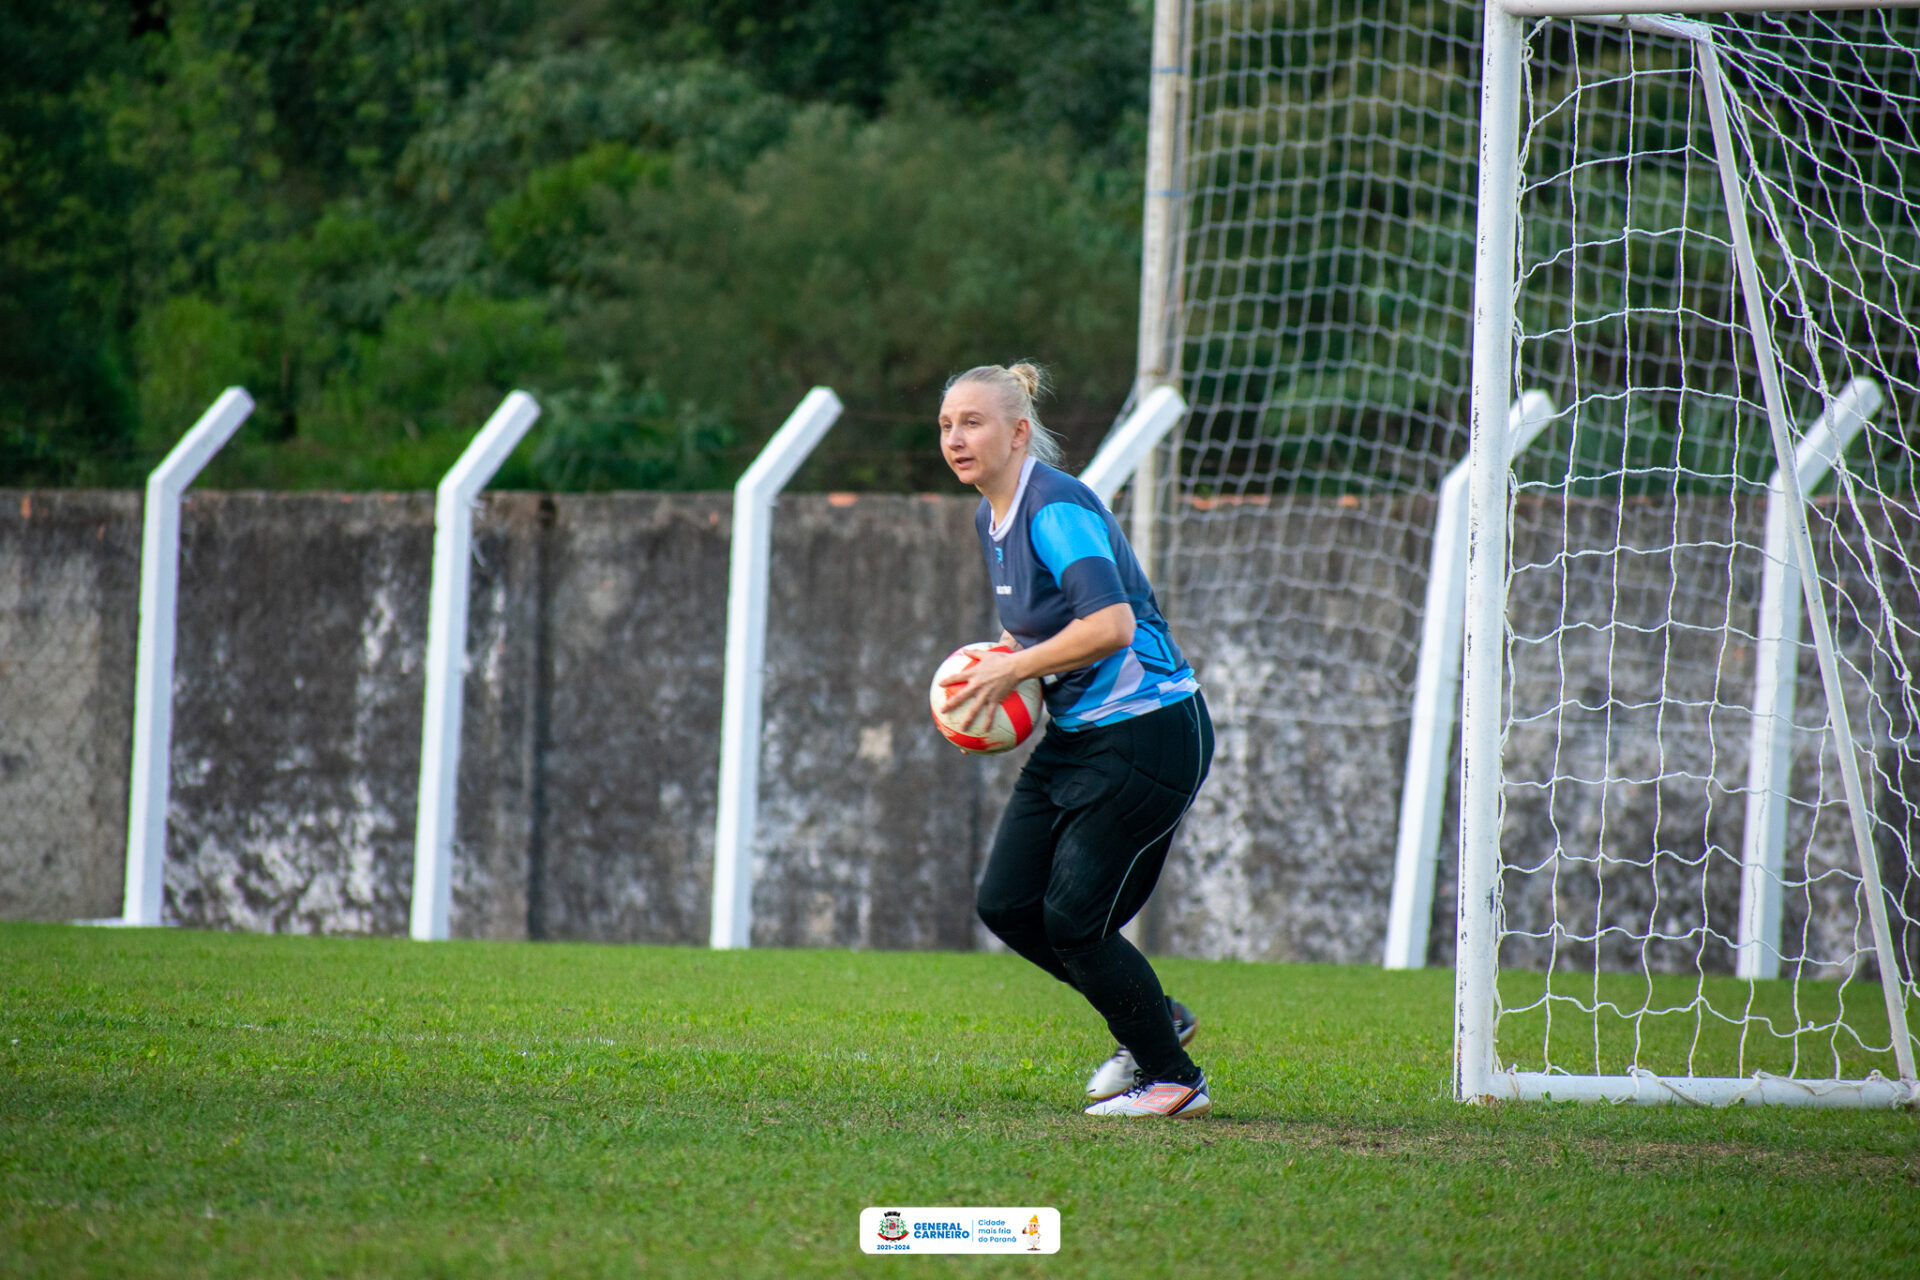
1031 377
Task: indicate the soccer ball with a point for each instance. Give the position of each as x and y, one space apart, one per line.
1013 719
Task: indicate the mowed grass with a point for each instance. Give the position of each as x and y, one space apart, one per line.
176 1103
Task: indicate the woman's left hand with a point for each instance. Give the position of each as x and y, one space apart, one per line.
981 687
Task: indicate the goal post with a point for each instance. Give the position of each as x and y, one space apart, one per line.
1694 234
1396 217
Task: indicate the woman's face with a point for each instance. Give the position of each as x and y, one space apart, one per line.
977 438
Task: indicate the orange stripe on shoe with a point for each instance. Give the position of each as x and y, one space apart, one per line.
1166 1098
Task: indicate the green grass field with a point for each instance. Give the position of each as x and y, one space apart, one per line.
177 1103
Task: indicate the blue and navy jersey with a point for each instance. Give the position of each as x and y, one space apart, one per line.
1059 555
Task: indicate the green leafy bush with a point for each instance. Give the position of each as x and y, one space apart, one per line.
615 436
668 223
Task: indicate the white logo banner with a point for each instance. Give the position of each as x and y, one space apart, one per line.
884 1229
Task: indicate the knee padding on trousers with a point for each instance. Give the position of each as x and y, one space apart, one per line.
1002 917
1071 933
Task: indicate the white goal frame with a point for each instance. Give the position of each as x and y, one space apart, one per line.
1477 1077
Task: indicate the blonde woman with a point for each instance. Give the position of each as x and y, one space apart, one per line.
1128 742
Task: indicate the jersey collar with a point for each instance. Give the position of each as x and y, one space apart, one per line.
999 531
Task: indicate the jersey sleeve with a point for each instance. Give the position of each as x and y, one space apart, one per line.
1071 541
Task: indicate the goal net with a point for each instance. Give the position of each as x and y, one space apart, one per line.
1692 802
1321 287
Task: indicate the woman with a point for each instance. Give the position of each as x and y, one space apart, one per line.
1084 836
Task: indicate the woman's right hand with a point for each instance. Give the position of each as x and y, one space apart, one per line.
974 693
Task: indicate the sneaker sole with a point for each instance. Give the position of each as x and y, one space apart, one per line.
1193 1029
1192 1111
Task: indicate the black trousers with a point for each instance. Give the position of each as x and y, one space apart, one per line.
1078 851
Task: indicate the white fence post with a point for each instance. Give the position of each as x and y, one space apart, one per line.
752 550
447 659
1423 790
1132 443
153 672
1775 670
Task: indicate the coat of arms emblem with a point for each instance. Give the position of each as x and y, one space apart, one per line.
892 1225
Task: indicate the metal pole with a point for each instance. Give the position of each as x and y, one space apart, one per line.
1476 962
731 920
1133 442
1156 360
1775 673
447 660
1436 693
1891 988
153 669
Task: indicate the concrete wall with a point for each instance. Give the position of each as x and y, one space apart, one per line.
590 743
870 824
69 619
590 747
1288 853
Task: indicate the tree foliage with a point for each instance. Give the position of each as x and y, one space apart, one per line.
666 219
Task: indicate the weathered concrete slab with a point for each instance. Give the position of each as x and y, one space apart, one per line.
1288 853
637 620
69 621
590 737
870 827
872 831
297 711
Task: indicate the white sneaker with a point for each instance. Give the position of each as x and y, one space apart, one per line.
1163 1098
1115 1076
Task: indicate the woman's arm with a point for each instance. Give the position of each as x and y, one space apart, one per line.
1080 643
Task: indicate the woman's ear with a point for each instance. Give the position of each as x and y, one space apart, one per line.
1022 432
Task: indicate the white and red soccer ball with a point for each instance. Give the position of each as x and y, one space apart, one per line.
1013 720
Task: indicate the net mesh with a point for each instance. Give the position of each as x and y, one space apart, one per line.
1638 548
1324 294
1322 323
1322 286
